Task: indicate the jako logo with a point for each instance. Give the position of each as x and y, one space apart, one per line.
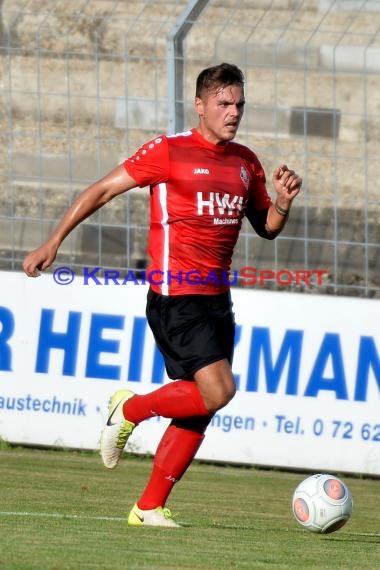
201 171
224 204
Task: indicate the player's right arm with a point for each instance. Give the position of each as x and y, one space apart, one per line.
91 199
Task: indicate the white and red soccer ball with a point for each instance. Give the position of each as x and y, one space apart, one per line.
322 503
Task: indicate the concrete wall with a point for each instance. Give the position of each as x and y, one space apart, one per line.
83 85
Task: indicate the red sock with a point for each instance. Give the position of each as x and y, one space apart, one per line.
178 399
174 454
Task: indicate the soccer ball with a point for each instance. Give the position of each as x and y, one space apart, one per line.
322 503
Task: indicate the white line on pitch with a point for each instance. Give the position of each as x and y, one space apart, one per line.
63 516
58 516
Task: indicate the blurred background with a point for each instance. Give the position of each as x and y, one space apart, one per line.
83 83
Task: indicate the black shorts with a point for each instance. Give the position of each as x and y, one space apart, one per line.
191 331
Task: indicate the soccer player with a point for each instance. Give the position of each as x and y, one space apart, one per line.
201 186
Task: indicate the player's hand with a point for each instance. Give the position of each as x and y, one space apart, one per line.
39 259
286 182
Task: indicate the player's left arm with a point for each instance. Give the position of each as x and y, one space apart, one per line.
287 185
268 222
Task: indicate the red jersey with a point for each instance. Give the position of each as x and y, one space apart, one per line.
199 193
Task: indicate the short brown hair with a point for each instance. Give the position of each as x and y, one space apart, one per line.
219 75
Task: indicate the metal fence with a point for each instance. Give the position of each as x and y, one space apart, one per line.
85 82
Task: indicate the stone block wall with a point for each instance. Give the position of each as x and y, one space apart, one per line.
83 84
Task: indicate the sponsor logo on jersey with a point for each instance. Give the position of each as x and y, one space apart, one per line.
201 171
226 221
214 203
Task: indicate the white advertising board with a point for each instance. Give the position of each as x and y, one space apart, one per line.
307 369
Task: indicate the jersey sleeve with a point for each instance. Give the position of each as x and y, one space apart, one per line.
258 198
150 164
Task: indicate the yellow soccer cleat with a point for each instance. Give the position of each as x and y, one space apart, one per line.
116 431
161 516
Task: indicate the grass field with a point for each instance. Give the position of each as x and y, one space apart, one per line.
61 510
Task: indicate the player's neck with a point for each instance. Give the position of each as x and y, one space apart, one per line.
209 136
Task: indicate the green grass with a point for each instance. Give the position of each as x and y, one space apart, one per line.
61 510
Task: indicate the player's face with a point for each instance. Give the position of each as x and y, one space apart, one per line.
220 113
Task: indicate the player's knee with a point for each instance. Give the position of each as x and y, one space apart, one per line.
230 393
220 398
216 384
